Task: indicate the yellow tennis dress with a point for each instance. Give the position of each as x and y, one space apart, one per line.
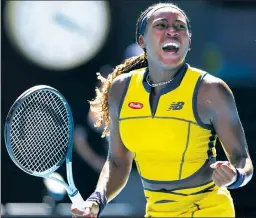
172 147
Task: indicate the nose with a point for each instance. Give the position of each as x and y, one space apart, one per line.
171 32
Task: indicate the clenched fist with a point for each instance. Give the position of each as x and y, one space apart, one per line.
224 174
91 209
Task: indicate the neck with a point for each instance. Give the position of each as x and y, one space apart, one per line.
160 74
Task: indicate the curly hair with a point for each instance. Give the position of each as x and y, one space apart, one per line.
100 103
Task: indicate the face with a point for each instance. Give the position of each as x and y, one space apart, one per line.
166 38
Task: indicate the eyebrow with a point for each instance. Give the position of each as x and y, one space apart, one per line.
165 19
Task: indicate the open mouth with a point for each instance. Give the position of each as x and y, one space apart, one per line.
171 47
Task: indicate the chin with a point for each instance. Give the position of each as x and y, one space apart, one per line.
171 60
172 63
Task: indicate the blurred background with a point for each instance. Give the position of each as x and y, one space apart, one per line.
64 43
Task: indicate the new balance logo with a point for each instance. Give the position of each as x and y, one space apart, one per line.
176 105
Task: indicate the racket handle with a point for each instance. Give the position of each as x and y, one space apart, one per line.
78 201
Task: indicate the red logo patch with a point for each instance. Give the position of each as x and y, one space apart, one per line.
135 105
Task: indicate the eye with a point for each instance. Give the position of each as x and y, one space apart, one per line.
161 26
180 26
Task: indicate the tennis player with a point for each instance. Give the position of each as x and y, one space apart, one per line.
167 115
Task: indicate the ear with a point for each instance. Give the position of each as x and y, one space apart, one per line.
190 42
141 41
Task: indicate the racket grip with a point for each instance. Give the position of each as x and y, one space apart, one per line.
78 201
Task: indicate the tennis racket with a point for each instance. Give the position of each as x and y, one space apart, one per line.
38 135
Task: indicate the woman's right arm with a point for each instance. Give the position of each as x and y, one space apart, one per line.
116 170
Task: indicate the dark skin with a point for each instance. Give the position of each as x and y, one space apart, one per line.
216 106
116 170
165 25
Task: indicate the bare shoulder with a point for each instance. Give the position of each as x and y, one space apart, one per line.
119 83
118 86
214 89
115 94
214 96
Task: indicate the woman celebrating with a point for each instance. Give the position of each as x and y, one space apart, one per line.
167 115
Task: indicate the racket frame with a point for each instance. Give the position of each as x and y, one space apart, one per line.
70 187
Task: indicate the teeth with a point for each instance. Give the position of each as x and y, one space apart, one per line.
173 44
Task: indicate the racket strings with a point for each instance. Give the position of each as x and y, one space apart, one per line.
40 131
47 138
32 153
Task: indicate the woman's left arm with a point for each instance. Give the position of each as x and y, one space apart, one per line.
220 108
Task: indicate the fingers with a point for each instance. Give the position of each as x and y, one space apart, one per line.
76 213
91 210
223 174
220 177
86 213
95 210
218 164
216 179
